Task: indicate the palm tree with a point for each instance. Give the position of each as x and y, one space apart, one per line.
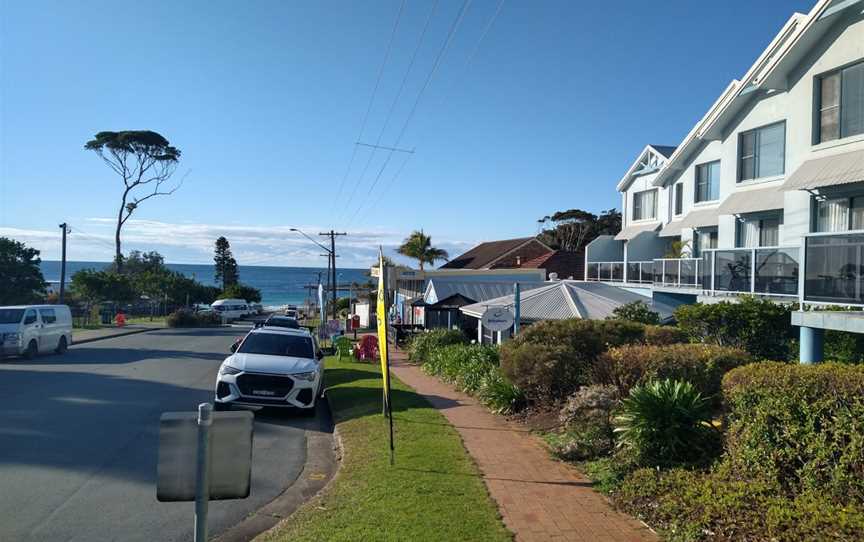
418 246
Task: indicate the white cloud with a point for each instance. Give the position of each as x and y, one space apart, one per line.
193 243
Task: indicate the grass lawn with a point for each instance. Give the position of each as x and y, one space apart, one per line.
155 321
433 492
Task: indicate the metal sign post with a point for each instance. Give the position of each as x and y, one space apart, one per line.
202 477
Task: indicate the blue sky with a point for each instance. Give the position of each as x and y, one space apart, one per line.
266 100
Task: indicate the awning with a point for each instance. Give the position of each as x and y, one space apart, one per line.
701 218
751 201
632 231
828 171
672 229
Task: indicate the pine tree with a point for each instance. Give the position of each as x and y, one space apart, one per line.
226 266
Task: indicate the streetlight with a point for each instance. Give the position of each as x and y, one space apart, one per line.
330 256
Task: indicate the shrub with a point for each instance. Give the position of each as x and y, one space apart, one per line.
701 365
499 394
800 427
636 311
688 505
423 344
587 419
663 335
759 326
664 423
550 360
187 318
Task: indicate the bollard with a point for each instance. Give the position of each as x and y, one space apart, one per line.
202 479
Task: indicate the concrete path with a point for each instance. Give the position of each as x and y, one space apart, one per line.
539 498
79 437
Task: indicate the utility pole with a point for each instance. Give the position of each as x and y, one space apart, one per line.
65 229
332 234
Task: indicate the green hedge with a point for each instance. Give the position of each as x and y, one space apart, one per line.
424 344
550 360
759 326
701 365
187 318
689 505
800 427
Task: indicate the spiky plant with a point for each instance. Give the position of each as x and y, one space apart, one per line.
664 423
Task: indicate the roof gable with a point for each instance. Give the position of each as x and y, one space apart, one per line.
485 254
651 160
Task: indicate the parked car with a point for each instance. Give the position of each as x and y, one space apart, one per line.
272 366
291 313
276 320
230 309
28 330
256 308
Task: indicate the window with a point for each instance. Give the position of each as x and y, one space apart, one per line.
758 232
841 103
679 198
29 317
704 239
645 205
708 181
48 316
273 344
762 152
840 214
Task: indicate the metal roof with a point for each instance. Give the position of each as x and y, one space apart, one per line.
632 231
844 168
565 299
439 290
751 201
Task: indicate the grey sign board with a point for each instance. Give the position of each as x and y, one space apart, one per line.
230 448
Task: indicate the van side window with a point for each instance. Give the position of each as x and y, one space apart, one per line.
48 316
29 317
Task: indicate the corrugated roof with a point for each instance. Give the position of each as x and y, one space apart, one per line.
751 201
485 253
832 170
632 231
569 299
438 290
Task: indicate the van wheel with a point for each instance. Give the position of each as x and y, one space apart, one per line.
62 346
32 350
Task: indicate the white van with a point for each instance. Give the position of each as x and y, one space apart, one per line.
230 309
28 330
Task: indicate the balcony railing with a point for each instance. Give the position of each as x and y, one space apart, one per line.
678 272
605 271
834 268
760 270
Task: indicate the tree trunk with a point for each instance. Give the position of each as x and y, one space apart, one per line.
118 255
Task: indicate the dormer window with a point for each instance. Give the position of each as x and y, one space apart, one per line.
645 205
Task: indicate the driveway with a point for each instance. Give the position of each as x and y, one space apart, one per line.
79 438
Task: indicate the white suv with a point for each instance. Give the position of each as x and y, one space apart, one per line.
278 367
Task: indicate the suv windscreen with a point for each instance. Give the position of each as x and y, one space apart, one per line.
282 322
272 344
11 316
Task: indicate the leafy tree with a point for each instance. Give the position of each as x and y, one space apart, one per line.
140 262
226 266
97 286
145 161
241 291
678 249
573 229
21 280
418 246
636 311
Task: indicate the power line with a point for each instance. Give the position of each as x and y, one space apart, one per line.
91 237
452 32
468 62
393 104
371 102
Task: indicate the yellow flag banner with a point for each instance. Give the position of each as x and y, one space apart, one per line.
381 313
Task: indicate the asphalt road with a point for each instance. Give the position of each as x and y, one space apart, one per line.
79 438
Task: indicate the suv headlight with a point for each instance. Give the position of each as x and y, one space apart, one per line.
228 370
308 377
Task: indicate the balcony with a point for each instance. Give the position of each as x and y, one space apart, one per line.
677 272
605 271
761 271
834 268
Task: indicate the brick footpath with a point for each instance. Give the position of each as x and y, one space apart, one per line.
539 498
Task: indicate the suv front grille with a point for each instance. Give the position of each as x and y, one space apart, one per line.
264 386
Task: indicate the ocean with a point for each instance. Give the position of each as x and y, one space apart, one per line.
278 285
